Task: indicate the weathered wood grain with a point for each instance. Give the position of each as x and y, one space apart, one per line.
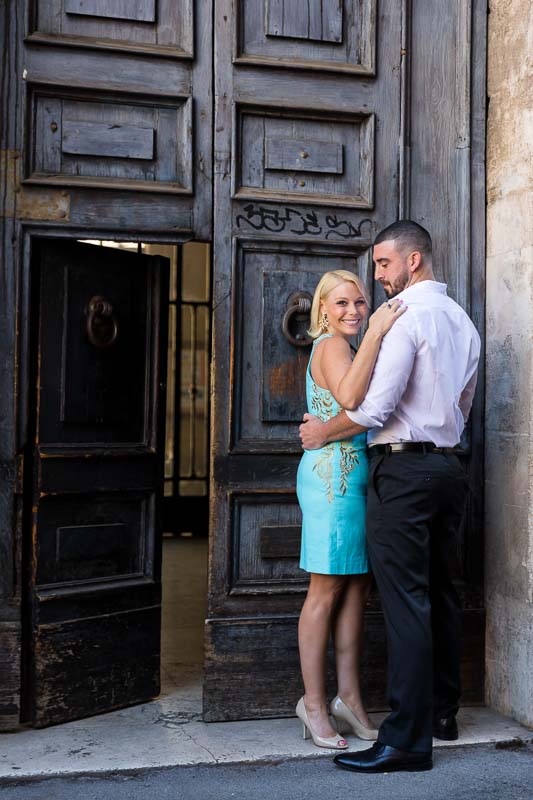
95 539
305 19
325 35
101 141
324 159
303 156
268 394
85 68
269 651
107 139
282 541
11 132
130 213
474 546
162 28
81 671
138 10
254 515
10 655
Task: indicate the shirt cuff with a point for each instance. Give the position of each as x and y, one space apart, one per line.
362 419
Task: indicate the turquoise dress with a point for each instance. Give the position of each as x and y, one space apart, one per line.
331 488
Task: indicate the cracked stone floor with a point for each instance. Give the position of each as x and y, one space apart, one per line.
169 731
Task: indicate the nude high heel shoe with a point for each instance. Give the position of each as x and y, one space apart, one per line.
346 720
335 742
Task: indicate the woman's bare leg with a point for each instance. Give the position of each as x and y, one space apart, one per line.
348 638
313 635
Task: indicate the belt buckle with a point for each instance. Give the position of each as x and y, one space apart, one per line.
395 447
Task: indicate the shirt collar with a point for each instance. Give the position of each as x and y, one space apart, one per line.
421 287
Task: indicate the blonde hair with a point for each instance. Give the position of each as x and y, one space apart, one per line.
326 284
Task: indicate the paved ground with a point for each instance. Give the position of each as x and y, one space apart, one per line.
467 773
168 733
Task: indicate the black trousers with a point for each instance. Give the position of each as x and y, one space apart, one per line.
415 504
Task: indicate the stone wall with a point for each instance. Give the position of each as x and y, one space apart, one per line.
509 387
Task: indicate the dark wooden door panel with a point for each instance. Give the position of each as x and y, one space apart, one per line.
312 34
308 131
95 539
233 645
96 664
95 394
298 155
268 393
312 158
117 96
94 140
153 26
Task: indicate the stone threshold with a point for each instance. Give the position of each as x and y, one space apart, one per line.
157 735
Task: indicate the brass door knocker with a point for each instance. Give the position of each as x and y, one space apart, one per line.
297 316
102 326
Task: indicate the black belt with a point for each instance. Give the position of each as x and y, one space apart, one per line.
409 447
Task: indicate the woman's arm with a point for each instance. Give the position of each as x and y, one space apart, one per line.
348 380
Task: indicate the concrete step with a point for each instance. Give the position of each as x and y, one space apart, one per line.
163 733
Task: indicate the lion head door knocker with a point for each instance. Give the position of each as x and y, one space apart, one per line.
101 325
296 319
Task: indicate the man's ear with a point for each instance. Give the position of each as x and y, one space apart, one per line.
414 261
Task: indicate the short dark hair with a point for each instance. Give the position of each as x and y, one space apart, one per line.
408 235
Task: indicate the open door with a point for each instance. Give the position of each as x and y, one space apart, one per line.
106 134
93 546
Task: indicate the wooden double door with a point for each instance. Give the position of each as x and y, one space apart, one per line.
332 119
286 133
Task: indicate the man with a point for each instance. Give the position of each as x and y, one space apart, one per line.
415 410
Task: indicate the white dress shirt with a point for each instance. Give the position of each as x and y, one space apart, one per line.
425 375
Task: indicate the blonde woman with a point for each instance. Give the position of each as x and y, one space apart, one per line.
331 487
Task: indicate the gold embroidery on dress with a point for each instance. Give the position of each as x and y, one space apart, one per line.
322 405
324 469
349 459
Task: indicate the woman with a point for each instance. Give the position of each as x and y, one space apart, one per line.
331 487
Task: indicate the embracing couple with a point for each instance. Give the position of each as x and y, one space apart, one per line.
389 501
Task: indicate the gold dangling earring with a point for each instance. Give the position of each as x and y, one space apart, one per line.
323 322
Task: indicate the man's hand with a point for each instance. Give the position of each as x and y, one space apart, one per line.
315 434
312 433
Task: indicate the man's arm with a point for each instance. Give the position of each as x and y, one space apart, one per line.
467 396
391 375
315 434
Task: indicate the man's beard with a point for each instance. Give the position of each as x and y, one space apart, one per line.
392 289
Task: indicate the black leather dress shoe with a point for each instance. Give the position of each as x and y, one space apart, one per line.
446 728
383 758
